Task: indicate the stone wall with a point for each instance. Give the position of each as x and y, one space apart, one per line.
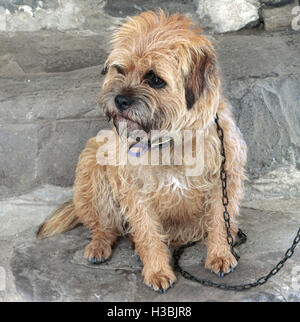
215 15
51 56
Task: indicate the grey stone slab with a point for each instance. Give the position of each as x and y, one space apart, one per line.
282 182
275 3
268 115
228 16
13 5
285 205
20 213
119 8
16 218
60 144
54 269
9 66
44 195
69 283
62 15
278 18
45 122
44 97
264 94
8 293
53 51
18 151
257 55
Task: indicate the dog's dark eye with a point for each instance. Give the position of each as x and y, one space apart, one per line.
154 81
119 69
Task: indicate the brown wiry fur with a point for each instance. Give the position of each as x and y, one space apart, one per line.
161 204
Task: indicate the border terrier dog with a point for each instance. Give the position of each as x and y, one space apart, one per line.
161 74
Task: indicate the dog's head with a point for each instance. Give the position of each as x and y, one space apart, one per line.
161 74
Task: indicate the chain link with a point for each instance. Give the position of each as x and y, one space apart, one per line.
242 238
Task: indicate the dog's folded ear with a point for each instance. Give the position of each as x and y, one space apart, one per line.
202 83
104 70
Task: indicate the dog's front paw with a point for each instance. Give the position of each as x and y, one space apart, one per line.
97 252
221 264
159 281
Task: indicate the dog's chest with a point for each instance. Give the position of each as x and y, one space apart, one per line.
175 184
172 187
167 190
177 196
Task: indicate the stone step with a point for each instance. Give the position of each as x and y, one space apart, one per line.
51 51
54 269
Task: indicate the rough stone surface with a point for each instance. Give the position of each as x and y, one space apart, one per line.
282 182
271 112
48 99
264 94
31 209
80 15
14 5
275 3
119 8
51 51
17 215
18 152
96 15
60 144
278 18
54 269
36 15
45 121
229 15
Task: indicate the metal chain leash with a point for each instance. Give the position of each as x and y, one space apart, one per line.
225 199
242 238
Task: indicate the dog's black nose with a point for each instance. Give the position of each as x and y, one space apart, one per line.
123 102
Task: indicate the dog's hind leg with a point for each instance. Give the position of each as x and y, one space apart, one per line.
94 205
